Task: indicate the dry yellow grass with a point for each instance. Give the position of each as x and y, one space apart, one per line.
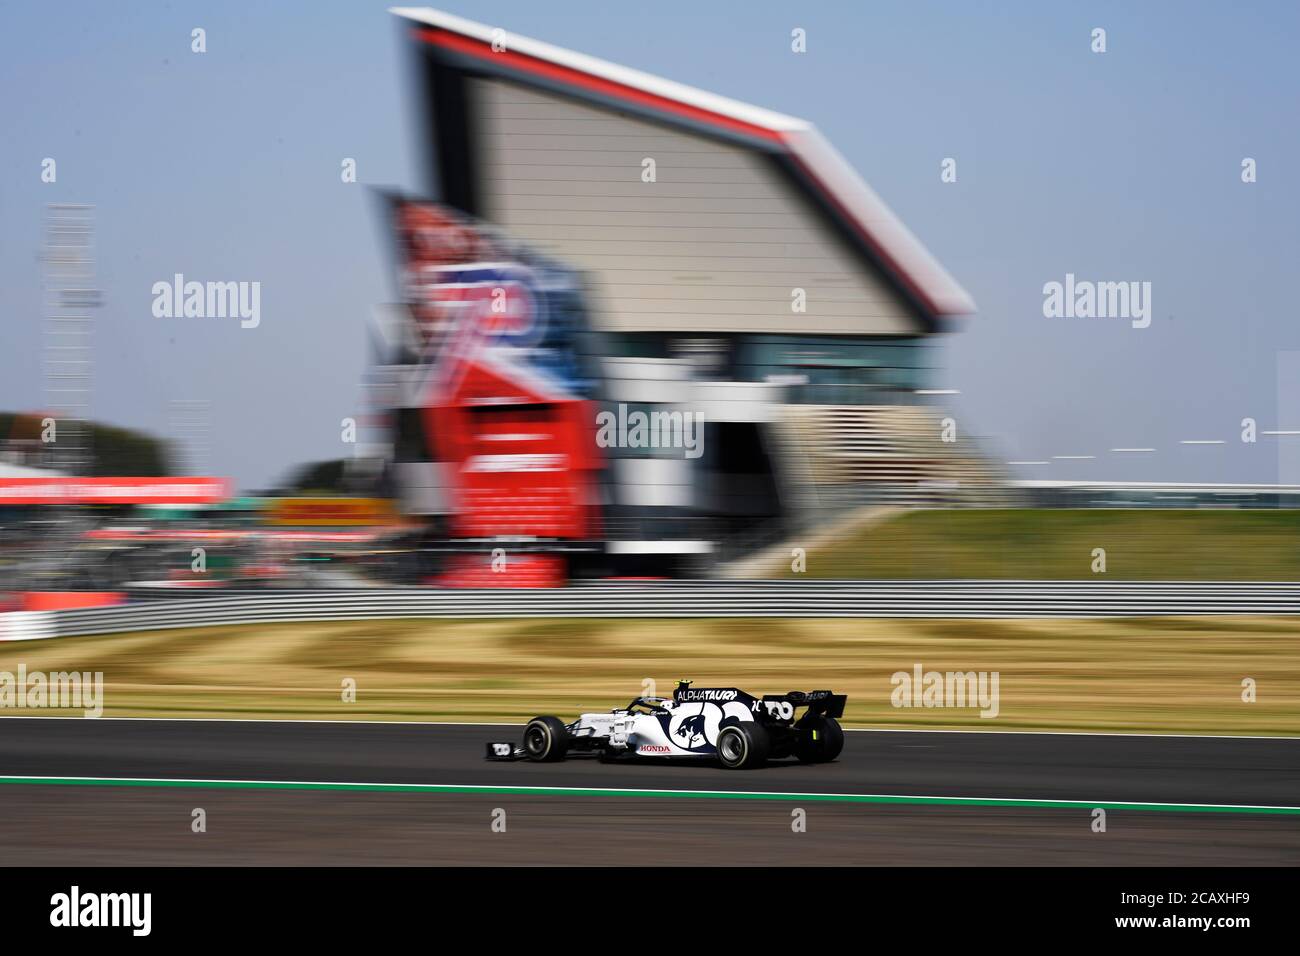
1181 675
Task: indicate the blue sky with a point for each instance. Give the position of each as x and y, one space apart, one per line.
1115 166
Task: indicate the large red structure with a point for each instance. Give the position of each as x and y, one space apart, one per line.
491 373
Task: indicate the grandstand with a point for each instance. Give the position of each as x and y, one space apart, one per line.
734 265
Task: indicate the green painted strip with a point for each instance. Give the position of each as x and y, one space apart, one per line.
484 789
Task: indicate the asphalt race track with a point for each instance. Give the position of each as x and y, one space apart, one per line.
625 813
1091 769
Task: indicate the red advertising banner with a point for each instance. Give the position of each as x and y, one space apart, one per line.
507 403
113 491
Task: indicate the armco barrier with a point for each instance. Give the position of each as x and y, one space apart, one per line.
885 599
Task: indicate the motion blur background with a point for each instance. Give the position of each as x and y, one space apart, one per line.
225 166
369 376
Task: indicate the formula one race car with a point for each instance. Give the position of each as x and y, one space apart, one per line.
721 723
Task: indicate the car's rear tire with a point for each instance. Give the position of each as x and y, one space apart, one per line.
821 740
546 739
743 745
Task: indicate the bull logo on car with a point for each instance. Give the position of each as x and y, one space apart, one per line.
695 726
691 730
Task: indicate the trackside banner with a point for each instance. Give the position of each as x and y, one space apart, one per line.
329 512
113 491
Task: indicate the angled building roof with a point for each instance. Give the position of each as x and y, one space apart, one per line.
747 203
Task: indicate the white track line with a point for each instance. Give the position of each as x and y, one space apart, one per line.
528 790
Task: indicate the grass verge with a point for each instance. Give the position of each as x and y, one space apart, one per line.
1140 544
1163 675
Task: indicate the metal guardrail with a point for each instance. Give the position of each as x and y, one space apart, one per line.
837 599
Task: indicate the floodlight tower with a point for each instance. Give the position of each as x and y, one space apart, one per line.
69 297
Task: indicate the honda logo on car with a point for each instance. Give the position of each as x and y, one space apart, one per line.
654 749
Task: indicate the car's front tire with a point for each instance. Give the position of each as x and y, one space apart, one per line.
546 739
820 741
743 745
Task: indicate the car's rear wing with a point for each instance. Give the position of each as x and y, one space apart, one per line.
824 702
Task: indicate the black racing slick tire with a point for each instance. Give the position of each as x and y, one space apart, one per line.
546 739
743 745
821 740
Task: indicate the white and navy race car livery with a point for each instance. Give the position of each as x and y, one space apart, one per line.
718 723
